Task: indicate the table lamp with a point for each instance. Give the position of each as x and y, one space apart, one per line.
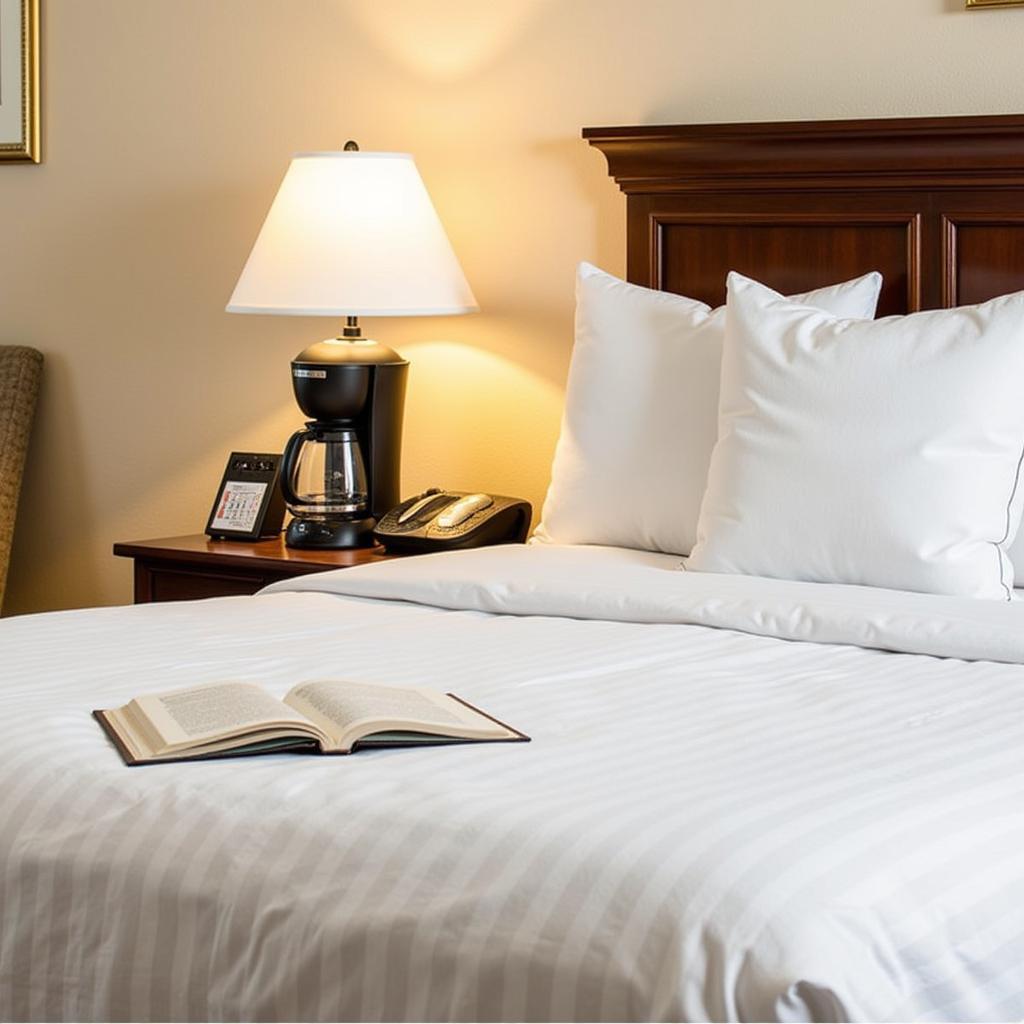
349 234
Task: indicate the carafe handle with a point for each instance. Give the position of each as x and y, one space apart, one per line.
291 451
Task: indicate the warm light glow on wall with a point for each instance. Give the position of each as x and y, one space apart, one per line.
483 421
445 39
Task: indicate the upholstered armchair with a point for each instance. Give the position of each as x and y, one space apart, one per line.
20 372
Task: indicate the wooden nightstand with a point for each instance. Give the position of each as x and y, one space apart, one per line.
188 568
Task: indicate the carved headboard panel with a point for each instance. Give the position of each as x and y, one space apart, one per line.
935 204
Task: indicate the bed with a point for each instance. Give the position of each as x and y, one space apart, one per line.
745 798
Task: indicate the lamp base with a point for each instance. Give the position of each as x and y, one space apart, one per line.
330 533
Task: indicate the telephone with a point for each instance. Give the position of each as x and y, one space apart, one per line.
439 520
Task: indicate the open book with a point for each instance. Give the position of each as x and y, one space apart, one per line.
232 719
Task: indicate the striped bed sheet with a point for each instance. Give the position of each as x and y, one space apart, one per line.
712 821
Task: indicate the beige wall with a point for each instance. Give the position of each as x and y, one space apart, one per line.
168 125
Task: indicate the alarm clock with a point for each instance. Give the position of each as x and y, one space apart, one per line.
249 503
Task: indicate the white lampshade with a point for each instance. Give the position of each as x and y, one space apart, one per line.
352 234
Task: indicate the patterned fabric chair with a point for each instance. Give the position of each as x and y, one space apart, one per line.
20 371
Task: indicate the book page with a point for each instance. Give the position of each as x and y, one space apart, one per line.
341 707
205 712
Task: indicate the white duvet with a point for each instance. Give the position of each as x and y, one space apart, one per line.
709 822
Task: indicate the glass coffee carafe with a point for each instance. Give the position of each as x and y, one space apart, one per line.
325 487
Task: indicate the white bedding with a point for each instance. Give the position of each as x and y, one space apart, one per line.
709 823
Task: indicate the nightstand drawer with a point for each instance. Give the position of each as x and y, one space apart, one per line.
161 583
195 567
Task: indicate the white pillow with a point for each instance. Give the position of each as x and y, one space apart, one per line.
883 453
1016 551
641 412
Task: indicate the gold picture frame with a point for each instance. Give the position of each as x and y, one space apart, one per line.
19 80
972 4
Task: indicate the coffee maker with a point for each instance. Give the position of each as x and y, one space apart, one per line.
341 473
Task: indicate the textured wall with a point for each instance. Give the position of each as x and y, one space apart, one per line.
168 126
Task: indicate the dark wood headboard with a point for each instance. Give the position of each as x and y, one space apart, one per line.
935 204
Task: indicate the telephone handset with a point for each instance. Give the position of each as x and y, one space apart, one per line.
439 520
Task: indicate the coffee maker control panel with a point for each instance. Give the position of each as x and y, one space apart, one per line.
447 520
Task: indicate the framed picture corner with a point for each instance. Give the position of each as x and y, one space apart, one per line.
20 108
